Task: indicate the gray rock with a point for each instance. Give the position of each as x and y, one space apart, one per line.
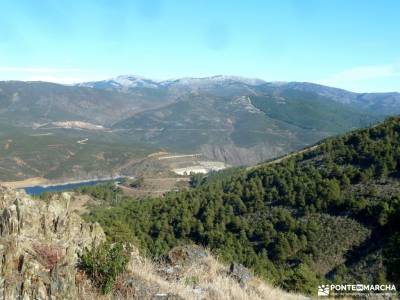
186 254
240 273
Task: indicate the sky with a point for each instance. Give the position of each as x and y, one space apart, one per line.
351 44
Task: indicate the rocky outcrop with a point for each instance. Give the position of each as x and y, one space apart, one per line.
39 246
40 243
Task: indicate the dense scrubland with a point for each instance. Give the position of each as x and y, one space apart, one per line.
326 215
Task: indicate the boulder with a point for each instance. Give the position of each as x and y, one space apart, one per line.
187 254
240 273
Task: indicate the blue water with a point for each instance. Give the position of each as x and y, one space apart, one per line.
37 190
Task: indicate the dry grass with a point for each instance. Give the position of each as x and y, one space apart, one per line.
206 279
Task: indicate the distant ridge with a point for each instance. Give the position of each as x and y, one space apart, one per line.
231 119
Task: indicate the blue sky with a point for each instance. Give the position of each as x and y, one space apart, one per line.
353 44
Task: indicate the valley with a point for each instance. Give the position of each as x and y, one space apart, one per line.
277 218
100 129
325 214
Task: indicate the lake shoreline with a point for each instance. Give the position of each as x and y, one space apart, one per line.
67 186
45 183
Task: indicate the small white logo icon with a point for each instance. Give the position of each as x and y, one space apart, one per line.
323 290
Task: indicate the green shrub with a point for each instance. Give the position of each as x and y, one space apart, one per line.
102 264
302 280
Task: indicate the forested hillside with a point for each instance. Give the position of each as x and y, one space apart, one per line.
330 214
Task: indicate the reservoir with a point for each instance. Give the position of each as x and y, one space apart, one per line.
38 189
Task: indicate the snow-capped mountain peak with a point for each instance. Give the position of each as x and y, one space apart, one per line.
123 83
134 81
212 80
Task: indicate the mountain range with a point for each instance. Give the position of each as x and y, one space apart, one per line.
236 120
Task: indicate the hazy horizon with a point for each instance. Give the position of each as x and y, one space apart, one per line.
177 78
